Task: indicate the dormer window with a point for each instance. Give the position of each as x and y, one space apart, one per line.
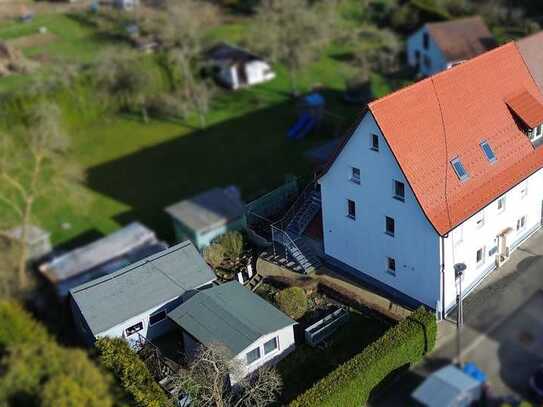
459 169
535 133
528 113
488 152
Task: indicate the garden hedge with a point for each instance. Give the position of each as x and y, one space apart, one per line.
351 383
135 378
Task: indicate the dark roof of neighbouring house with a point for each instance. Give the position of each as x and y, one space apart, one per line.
208 210
224 52
531 49
229 314
133 290
445 387
448 115
463 38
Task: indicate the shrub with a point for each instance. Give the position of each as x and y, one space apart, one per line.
232 242
292 302
135 378
37 371
214 255
352 382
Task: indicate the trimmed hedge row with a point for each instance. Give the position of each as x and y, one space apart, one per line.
351 383
134 377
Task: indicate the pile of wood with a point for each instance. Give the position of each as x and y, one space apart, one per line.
13 61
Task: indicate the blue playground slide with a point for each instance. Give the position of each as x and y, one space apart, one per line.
303 125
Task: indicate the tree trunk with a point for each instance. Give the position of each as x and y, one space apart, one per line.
293 85
23 247
144 114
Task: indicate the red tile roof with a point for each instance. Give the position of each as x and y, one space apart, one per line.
448 115
527 108
463 38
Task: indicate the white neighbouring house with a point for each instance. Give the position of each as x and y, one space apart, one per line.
446 171
237 68
439 46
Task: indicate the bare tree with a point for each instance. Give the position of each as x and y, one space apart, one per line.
294 32
208 381
33 164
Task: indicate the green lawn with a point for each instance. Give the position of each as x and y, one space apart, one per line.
307 365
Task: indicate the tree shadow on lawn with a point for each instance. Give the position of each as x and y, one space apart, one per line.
307 365
251 151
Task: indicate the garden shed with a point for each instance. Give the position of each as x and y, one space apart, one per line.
134 301
253 330
210 214
101 257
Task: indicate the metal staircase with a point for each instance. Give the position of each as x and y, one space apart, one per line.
288 232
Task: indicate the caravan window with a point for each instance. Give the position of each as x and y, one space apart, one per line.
134 328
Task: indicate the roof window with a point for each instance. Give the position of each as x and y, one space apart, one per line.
489 153
459 169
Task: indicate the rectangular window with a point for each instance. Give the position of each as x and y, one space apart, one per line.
355 175
489 153
425 41
399 190
159 316
480 256
389 226
521 223
391 265
459 169
480 220
501 204
524 190
271 345
133 329
253 356
351 209
374 142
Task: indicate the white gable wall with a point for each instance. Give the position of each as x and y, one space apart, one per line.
438 60
462 243
362 243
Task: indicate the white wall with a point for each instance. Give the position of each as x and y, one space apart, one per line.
438 60
256 72
362 243
463 242
286 345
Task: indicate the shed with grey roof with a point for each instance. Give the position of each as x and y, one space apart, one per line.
210 214
136 298
231 315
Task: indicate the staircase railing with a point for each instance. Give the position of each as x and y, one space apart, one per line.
296 206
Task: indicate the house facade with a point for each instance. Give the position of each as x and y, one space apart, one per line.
439 46
428 180
134 301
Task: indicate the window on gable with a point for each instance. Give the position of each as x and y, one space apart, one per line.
391 265
425 41
501 204
355 175
521 223
480 256
399 190
374 142
489 153
390 227
459 169
524 190
480 220
351 209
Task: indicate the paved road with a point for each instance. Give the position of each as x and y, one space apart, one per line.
503 330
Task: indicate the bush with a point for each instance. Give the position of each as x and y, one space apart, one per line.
292 302
135 378
214 255
232 242
351 383
36 371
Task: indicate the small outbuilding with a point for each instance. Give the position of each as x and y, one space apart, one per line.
253 330
448 387
236 67
205 216
442 45
99 258
134 301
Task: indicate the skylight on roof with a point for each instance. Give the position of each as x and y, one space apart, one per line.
459 169
489 153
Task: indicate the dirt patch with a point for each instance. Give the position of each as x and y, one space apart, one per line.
33 40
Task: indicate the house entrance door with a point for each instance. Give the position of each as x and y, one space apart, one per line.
504 241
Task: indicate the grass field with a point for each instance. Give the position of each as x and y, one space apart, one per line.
134 169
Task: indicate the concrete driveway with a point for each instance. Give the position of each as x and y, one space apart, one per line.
503 329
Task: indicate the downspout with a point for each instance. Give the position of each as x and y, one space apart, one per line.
442 243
